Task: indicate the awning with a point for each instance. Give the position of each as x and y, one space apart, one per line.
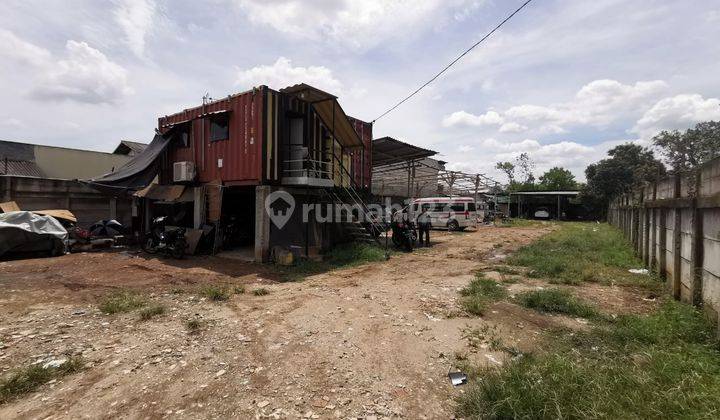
329 110
137 173
388 151
161 192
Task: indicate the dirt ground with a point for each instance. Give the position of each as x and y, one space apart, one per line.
372 341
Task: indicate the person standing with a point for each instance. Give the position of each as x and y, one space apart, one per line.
424 224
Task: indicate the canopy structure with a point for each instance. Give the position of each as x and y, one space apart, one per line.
403 169
137 173
330 111
388 151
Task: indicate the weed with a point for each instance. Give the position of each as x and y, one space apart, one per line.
504 269
121 302
583 252
557 301
342 256
261 292
215 293
664 365
28 379
193 325
479 293
150 312
239 290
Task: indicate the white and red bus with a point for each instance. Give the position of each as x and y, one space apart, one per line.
452 213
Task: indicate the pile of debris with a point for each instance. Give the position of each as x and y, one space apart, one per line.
50 232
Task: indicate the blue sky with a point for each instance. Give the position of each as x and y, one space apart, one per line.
564 81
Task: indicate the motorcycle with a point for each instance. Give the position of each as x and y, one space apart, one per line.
172 242
404 235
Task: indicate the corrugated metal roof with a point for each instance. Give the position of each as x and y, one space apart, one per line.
20 168
387 151
127 147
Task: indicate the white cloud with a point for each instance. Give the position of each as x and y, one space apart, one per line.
83 75
136 19
568 154
86 75
14 48
512 127
598 104
677 112
282 74
462 118
360 24
465 148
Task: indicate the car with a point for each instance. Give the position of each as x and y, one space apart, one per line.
452 213
542 213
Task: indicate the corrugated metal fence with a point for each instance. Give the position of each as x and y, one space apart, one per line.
674 224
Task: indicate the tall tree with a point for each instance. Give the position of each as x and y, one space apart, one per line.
628 166
557 179
508 169
690 149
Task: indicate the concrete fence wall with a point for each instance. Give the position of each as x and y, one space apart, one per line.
674 225
87 204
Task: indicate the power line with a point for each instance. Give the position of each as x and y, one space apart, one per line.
455 60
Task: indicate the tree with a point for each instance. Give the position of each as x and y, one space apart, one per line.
508 168
557 179
628 166
688 150
525 166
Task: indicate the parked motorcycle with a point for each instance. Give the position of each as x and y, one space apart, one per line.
404 235
172 242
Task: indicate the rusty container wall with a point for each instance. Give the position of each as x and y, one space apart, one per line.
362 157
237 160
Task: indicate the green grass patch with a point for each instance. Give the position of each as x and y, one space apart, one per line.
215 293
342 256
150 312
662 365
557 301
119 302
481 292
261 292
30 378
239 290
583 252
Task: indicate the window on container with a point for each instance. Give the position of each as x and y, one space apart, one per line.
182 134
220 127
457 207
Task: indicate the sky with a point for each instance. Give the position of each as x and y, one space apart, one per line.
564 81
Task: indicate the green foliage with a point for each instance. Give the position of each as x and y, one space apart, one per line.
628 166
343 256
123 301
215 293
579 252
261 292
28 379
239 290
479 293
665 365
690 149
151 312
557 301
557 179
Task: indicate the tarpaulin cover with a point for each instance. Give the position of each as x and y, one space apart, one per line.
161 192
137 173
25 231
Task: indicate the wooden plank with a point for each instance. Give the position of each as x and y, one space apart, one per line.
9 206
